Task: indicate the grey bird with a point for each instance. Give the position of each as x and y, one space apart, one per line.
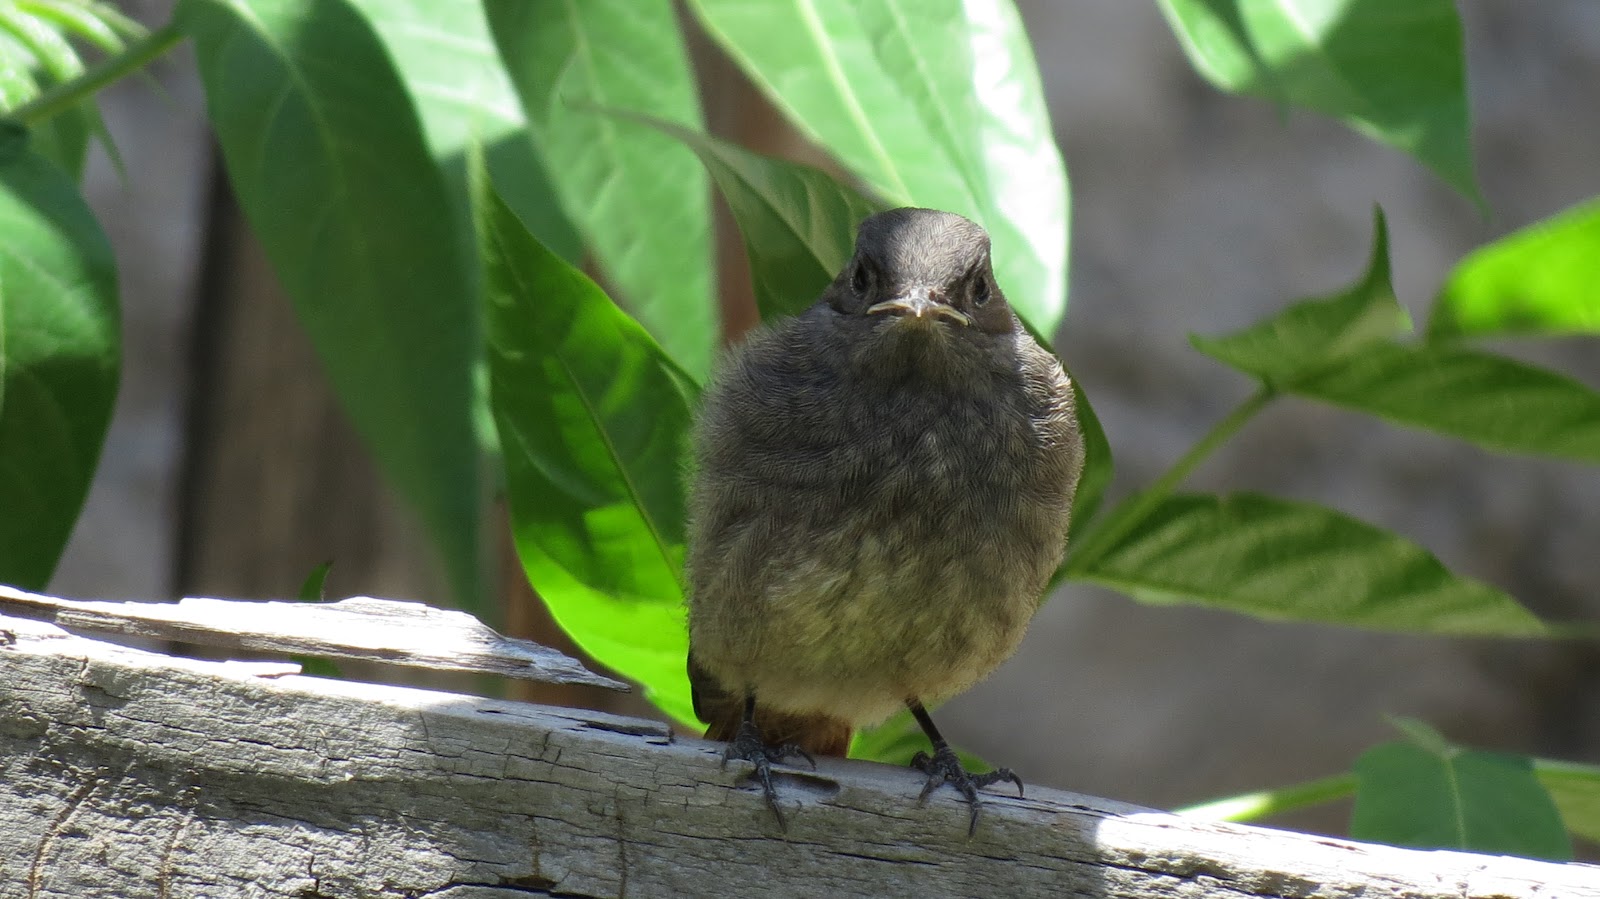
880 493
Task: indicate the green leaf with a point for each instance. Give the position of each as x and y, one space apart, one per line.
96 24
1259 804
463 95
1542 280
593 420
1276 559
328 160
1447 797
932 103
314 587
59 351
897 740
639 198
799 224
1575 789
34 56
1097 467
1393 71
1311 334
1490 400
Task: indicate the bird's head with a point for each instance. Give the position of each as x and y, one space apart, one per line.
922 269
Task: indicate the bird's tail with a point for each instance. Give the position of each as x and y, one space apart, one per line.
723 712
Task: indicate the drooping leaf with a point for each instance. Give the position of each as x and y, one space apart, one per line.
463 95
1541 280
1575 789
1277 559
799 223
932 103
1433 795
593 419
640 198
1488 399
59 349
328 160
1313 333
1393 71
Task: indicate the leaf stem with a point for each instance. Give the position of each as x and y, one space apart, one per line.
69 93
1135 509
1266 803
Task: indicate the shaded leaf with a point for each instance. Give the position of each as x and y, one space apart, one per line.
328 160
1392 71
1490 400
932 103
593 420
1313 333
1277 559
314 587
59 349
639 198
1543 279
1431 795
1097 467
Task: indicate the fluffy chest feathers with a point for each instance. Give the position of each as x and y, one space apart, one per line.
871 527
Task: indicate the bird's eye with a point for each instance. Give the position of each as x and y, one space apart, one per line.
980 291
862 279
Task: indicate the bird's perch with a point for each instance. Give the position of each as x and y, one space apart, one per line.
133 774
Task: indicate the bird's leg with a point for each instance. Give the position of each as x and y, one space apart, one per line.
943 767
749 746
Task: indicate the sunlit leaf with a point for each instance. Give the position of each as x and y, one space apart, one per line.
452 70
1575 789
932 103
1544 279
593 419
638 197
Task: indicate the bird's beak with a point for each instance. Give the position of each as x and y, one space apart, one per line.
922 307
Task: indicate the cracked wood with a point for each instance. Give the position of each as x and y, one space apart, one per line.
132 774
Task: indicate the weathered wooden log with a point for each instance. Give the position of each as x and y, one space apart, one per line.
132 774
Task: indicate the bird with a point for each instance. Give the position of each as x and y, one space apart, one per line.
880 491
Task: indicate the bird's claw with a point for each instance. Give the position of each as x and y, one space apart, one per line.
944 767
748 746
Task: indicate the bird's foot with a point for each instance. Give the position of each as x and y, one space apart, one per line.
748 746
944 767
